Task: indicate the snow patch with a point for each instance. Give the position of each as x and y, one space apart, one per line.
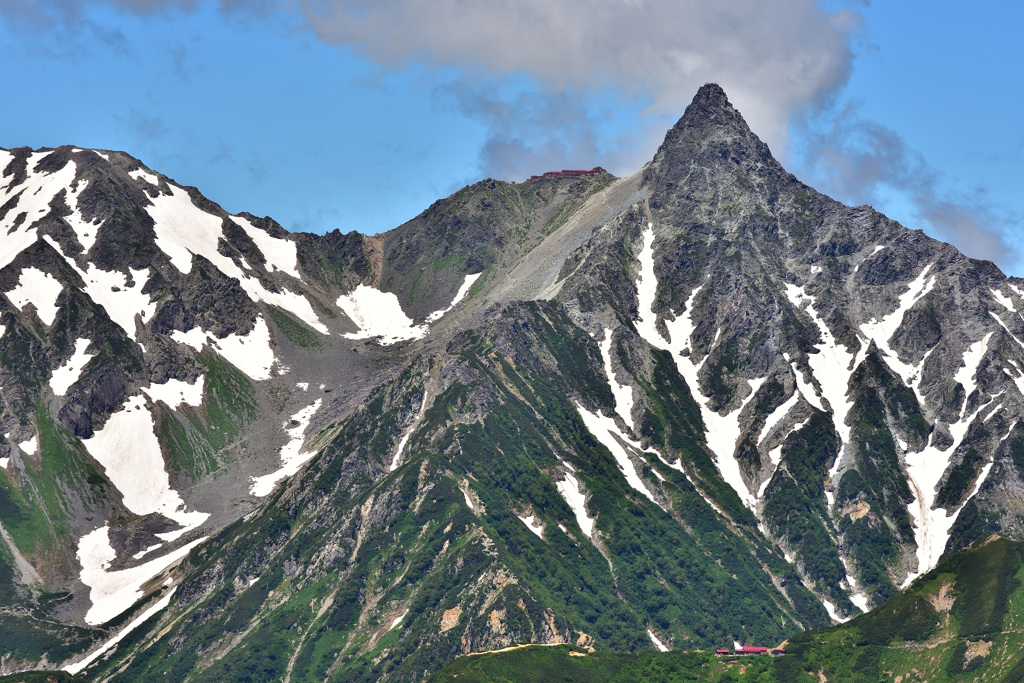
129 451
378 314
251 353
459 296
777 415
569 487
623 393
304 386
140 174
142 553
857 596
292 455
29 447
815 270
1005 301
112 592
110 290
881 332
67 374
534 525
657 643
157 607
280 254
38 288
85 231
4 462
469 501
174 392
605 430
31 198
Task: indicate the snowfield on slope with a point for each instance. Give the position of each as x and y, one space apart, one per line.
128 449
378 315
112 592
39 289
251 353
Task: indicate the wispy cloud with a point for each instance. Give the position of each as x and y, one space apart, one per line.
544 76
774 58
860 161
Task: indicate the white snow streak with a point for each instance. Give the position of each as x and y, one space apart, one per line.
459 296
623 393
605 430
250 353
971 359
67 374
292 455
378 314
160 604
84 230
657 643
569 487
398 619
142 553
534 525
1005 301
128 449
40 289
777 415
831 609
723 431
832 366
396 459
4 462
112 592
857 596
882 330
925 469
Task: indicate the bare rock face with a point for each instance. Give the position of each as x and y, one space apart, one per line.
704 402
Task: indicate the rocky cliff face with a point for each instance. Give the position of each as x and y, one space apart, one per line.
698 404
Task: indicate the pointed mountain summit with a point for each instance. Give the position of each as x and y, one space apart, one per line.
711 136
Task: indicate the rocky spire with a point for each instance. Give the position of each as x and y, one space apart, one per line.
710 133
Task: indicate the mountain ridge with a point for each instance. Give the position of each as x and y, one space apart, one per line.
706 373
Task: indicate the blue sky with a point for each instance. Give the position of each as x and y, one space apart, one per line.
357 115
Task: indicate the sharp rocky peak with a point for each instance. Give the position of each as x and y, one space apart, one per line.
711 133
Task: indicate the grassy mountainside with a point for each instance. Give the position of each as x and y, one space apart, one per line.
356 572
963 621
